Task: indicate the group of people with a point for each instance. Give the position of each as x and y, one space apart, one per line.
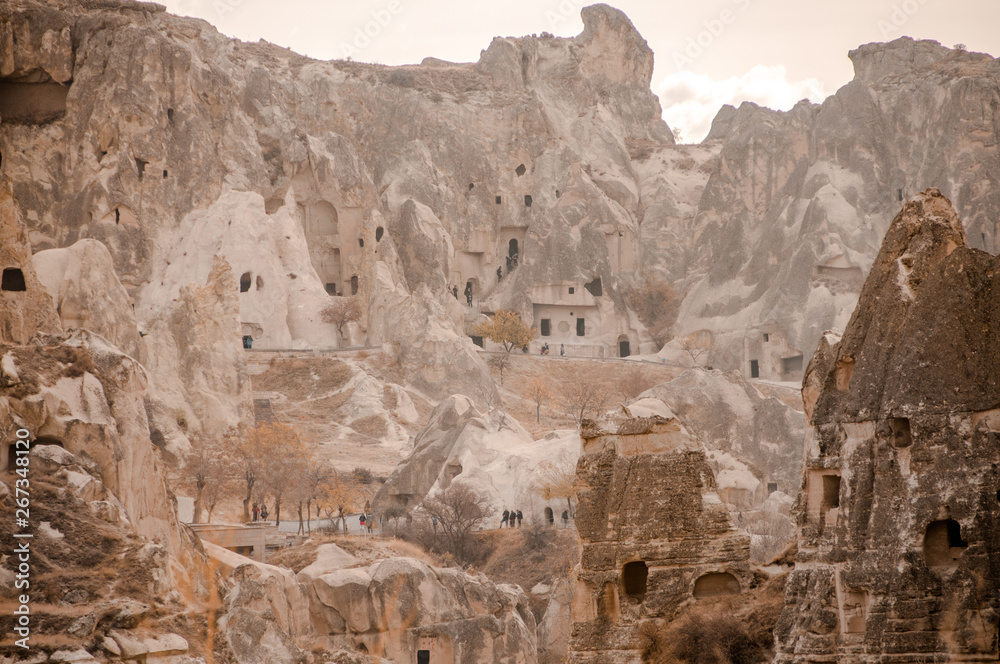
259 512
467 292
366 522
509 518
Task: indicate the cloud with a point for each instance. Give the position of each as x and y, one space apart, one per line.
690 101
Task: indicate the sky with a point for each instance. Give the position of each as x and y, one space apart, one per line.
707 53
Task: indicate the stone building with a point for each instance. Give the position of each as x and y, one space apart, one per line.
899 514
654 533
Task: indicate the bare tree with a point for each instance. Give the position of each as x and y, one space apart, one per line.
656 304
538 391
633 382
208 473
582 397
499 362
490 399
458 509
340 312
554 479
341 494
253 454
695 345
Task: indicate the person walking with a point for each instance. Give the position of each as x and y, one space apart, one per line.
565 518
519 517
503 519
263 512
256 512
361 522
562 350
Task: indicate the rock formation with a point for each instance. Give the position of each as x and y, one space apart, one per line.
753 442
795 207
899 510
399 606
391 608
460 443
655 534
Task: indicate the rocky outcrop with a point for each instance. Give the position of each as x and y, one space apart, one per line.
318 178
753 442
25 306
87 294
391 608
655 535
462 444
898 514
398 606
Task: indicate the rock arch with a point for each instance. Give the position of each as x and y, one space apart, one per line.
716 584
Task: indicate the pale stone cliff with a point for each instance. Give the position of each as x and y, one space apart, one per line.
397 184
795 207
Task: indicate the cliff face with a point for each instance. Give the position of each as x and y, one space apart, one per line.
899 515
792 215
318 179
396 184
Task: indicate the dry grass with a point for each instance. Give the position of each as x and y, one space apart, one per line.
729 630
372 426
366 549
531 555
560 372
301 379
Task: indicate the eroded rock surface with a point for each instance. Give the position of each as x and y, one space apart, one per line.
899 511
654 533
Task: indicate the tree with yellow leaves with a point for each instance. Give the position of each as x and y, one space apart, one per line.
340 495
253 453
505 328
287 467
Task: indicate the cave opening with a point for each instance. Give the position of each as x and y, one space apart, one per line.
378 233
943 543
635 576
245 280
520 170
32 99
12 280
715 584
831 492
901 436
